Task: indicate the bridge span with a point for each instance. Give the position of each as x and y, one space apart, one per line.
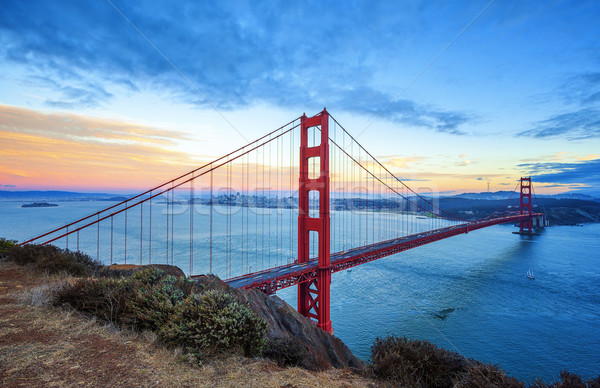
274 279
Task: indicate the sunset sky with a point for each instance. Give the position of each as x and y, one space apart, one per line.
117 96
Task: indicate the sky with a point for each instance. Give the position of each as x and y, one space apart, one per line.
118 96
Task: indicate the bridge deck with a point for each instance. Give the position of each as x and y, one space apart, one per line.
284 276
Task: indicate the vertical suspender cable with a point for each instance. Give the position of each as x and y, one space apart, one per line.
191 207
141 230
229 211
247 212
269 201
242 224
172 221
125 232
111 239
262 218
150 232
256 214
167 236
211 219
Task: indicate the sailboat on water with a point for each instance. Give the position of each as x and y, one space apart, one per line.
530 274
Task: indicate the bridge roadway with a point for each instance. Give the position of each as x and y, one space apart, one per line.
273 279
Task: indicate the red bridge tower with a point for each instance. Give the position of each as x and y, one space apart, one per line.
313 295
525 206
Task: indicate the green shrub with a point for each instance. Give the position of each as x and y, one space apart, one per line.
156 298
594 382
107 299
144 301
487 375
51 259
5 245
415 363
569 380
213 322
286 351
203 323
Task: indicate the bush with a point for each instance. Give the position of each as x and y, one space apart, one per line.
415 363
286 351
107 299
144 301
204 323
569 380
5 245
52 259
487 375
156 298
213 322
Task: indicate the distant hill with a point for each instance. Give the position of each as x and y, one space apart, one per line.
57 196
486 195
507 194
559 211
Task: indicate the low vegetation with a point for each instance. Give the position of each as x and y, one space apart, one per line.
205 323
210 323
399 361
49 258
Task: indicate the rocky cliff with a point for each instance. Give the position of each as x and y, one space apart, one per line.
322 350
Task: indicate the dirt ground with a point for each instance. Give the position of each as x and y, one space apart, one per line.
41 346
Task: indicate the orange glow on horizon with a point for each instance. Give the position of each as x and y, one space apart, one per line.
69 152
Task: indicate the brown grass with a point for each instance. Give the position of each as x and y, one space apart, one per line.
44 346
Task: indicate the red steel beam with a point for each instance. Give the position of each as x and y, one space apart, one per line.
310 273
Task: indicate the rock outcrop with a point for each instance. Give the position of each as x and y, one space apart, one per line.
118 270
323 350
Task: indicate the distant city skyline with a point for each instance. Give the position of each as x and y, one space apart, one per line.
115 96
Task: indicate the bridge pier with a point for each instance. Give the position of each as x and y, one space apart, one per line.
313 295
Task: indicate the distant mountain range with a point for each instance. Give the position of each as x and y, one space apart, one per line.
75 196
57 196
507 194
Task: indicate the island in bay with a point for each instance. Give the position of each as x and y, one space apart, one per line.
39 204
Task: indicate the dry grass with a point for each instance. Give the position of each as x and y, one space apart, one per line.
44 346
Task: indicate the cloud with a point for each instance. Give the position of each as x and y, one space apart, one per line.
462 163
582 92
400 162
84 152
233 55
582 89
370 102
578 173
9 185
578 125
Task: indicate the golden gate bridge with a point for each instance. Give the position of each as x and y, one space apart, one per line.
269 215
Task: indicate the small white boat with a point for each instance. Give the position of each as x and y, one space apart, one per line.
530 274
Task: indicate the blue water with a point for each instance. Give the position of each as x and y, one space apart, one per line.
469 294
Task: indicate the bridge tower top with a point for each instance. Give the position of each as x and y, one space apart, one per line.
525 226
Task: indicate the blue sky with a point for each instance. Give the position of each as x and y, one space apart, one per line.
456 93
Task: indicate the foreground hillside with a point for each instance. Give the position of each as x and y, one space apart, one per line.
42 346
151 326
